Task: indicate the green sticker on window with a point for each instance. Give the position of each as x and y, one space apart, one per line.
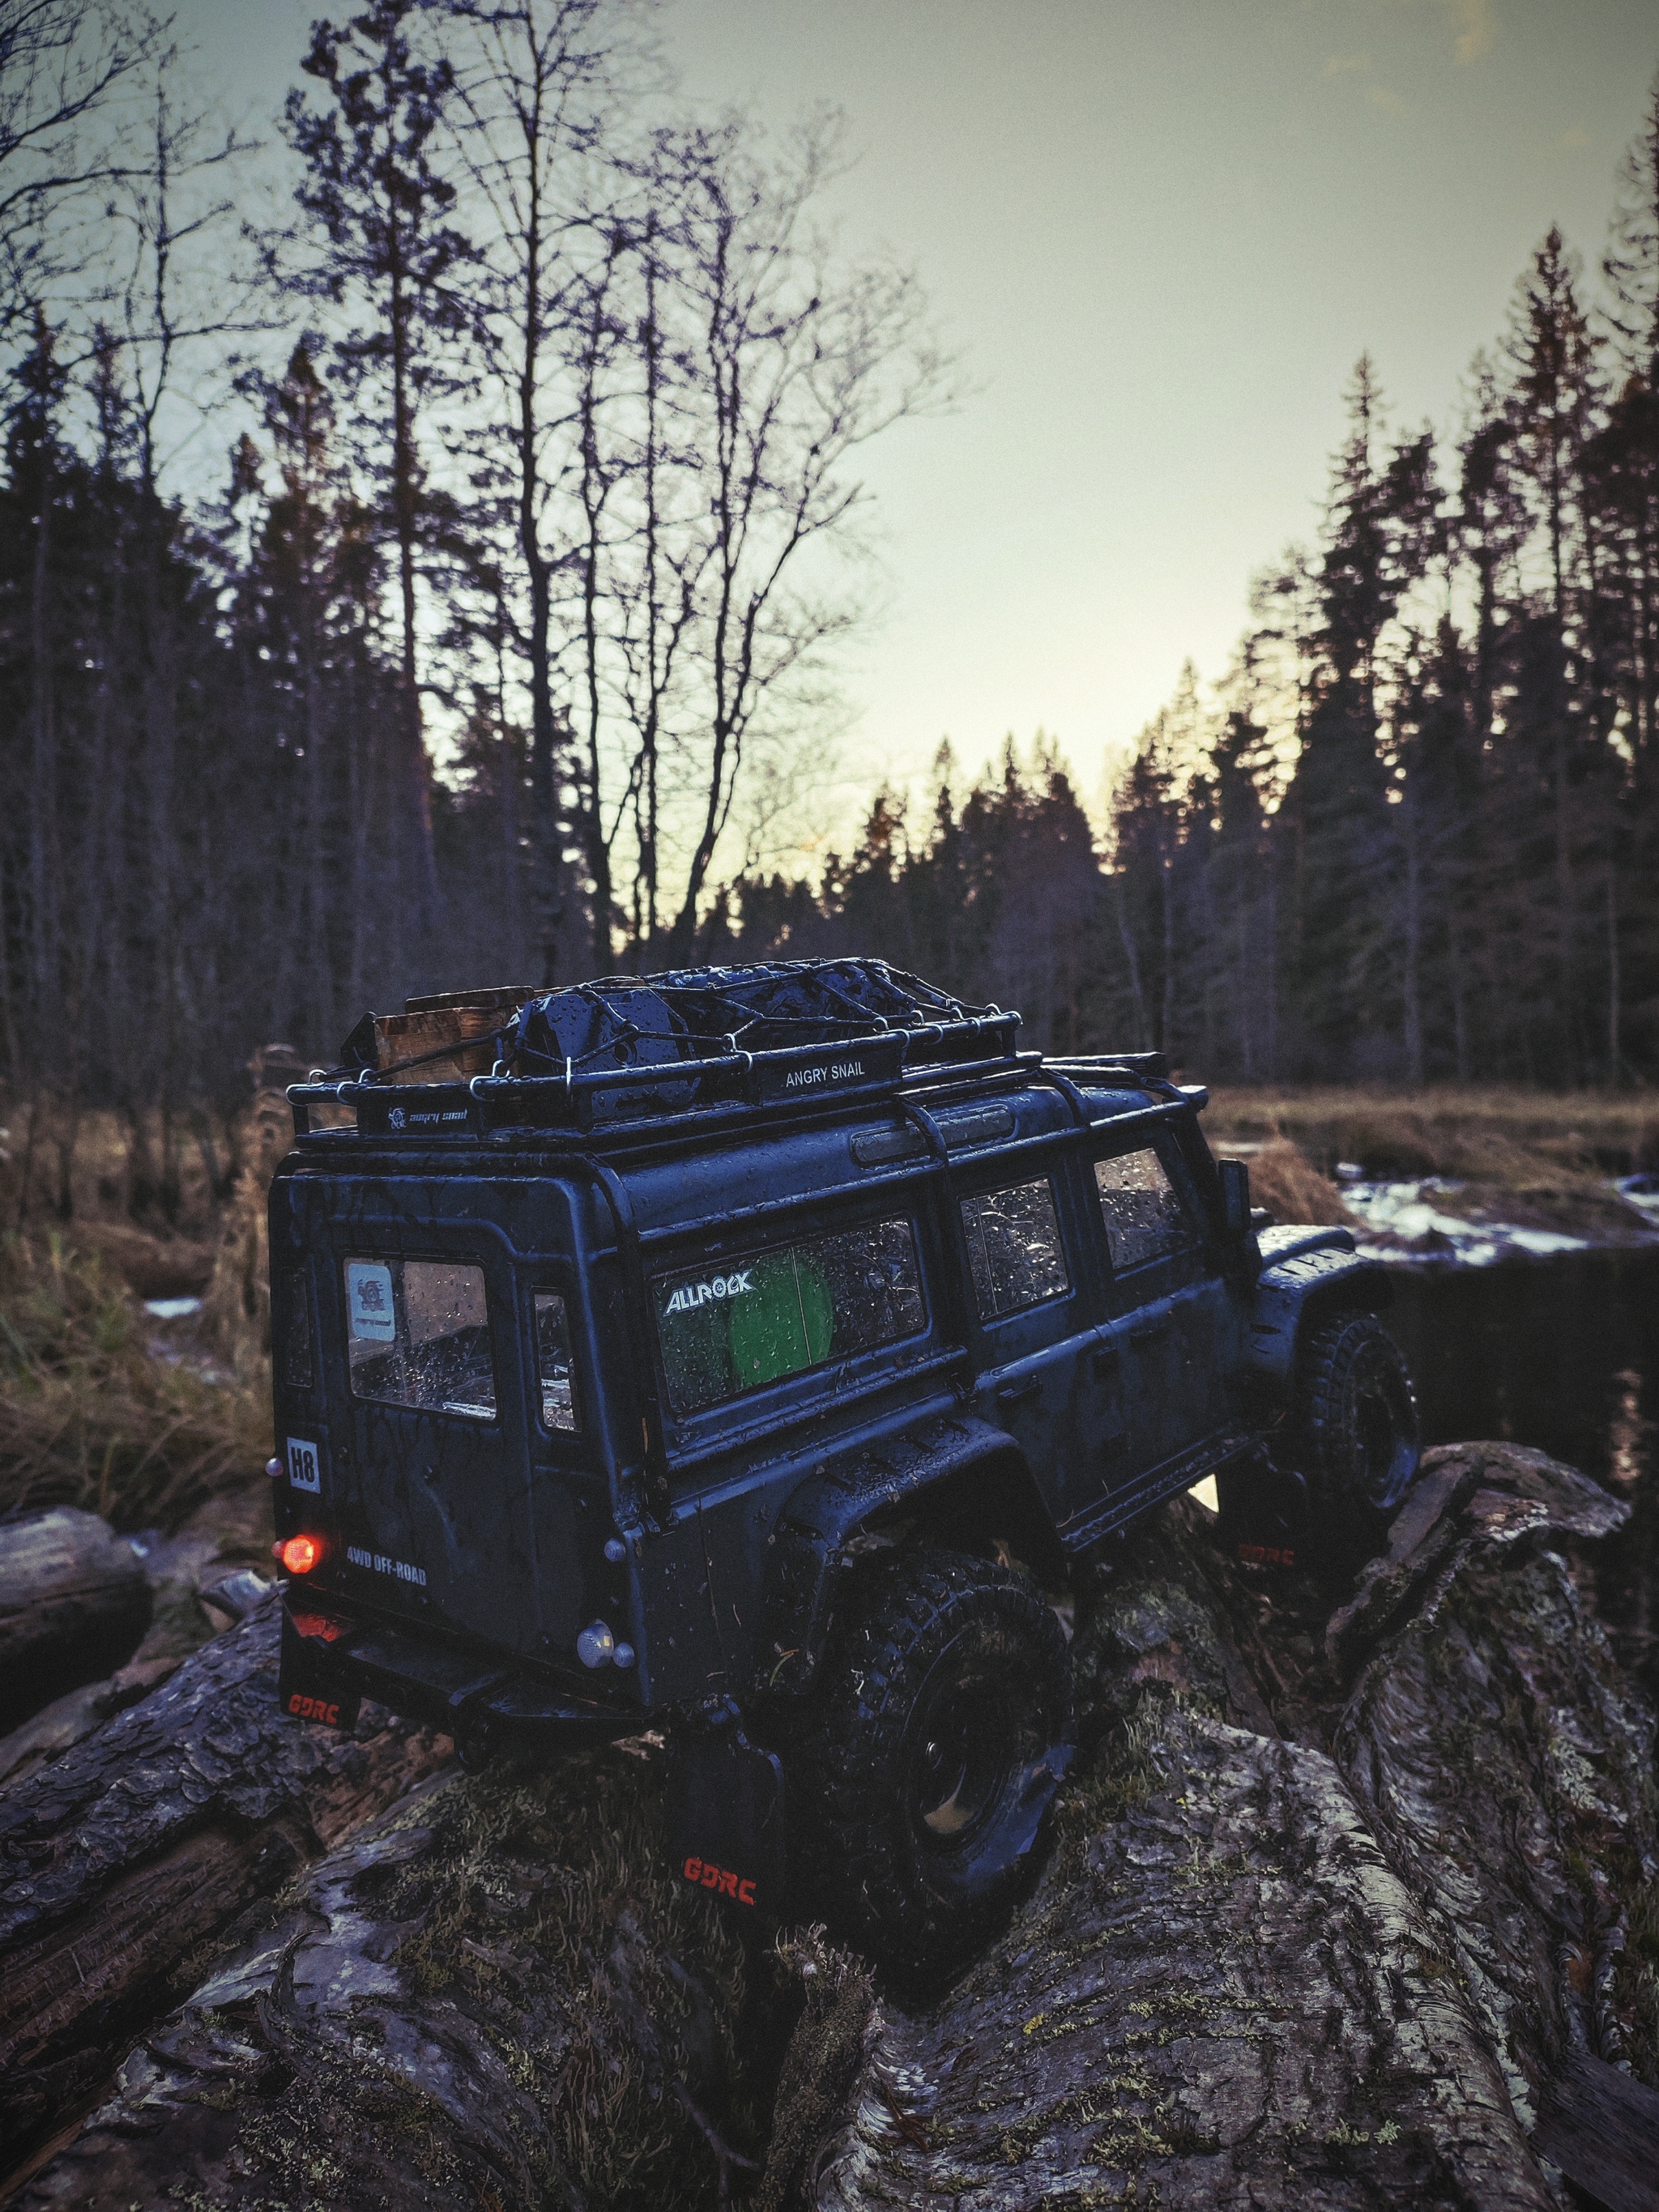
786 1323
752 1320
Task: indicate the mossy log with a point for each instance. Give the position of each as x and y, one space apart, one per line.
1331 1917
496 1995
138 1846
1331 1914
74 1601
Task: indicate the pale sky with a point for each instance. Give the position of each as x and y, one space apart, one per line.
1158 232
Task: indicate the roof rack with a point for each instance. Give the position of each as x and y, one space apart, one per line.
1150 1070
628 1054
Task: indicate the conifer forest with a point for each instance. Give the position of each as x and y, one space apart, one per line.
429 523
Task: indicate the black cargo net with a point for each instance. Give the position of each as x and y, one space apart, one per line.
626 1046
697 1013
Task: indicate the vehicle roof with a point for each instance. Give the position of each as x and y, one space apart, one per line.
841 1155
677 1059
728 1171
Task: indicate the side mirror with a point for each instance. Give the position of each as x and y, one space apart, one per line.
1234 1199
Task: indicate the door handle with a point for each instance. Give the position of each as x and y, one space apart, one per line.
1139 1338
1013 1394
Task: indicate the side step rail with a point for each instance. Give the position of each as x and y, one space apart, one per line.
1156 1484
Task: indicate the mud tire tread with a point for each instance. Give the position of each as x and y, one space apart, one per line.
901 1615
1326 1448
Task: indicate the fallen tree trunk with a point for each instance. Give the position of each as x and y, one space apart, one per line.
496 1995
1326 1915
143 1843
1329 1917
200 1581
74 1603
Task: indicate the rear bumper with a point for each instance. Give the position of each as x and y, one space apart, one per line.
336 1657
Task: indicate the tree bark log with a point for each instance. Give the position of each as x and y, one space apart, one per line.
1332 1901
498 1994
141 1844
1324 1924
74 1601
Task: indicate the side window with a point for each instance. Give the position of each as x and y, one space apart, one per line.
744 1322
1141 1208
418 1334
1013 1249
556 1376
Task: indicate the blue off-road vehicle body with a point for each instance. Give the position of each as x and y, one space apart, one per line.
609 1382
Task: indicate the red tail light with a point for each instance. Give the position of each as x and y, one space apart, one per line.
300 1555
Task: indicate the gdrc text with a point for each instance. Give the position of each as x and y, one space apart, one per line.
314 1709
724 1884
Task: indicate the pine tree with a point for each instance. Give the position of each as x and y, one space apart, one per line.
1551 406
390 254
1337 801
1632 262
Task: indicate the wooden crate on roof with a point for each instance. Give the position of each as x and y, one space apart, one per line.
404 1042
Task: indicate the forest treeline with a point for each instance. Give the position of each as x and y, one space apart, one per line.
1413 834
488 648
497 645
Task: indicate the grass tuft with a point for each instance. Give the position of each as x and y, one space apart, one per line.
1285 1181
91 1416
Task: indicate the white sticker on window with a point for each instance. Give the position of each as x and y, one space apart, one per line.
304 1469
368 1293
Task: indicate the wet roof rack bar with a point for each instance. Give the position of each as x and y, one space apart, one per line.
869 1066
1153 1064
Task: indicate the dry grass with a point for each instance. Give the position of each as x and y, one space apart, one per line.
91 1415
1285 1181
1526 1156
1514 1137
102 1406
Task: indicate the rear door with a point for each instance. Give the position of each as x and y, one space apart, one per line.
431 1477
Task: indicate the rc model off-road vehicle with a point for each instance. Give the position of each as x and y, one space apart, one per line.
755 1350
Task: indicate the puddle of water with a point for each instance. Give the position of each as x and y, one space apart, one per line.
1419 1227
1562 1355
171 1309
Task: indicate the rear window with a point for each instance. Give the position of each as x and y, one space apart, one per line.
555 1376
417 1333
737 1324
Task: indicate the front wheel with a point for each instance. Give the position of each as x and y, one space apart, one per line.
941 1732
1358 1439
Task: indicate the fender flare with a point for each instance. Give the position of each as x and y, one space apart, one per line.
963 1472
1314 1278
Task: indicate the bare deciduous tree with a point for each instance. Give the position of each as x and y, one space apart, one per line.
62 64
388 252
793 365
542 87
